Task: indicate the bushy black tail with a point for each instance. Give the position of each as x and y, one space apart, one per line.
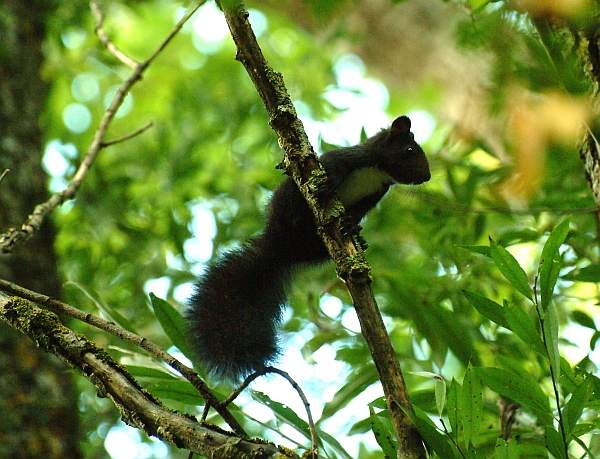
234 311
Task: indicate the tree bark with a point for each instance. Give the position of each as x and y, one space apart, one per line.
38 401
589 148
563 40
301 163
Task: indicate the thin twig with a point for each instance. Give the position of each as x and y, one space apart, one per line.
4 174
553 376
103 37
62 308
34 222
175 30
128 136
311 425
244 385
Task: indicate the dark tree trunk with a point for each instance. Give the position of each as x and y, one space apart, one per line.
38 402
590 149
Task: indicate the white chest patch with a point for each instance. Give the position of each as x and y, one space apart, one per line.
362 183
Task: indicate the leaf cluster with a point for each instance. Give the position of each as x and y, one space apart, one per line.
488 327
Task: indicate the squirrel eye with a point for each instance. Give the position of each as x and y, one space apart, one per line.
409 149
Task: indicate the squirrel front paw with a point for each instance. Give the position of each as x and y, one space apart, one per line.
327 189
349 227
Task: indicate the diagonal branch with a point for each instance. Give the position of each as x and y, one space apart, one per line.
103 37
137 406
62 308
311 425
302 164
9 239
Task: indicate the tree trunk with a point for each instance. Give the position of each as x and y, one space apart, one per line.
38 402
562 41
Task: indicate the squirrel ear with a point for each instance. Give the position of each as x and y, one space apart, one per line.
401 126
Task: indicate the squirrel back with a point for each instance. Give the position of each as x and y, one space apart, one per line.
233 315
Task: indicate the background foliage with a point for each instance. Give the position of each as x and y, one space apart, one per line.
505 164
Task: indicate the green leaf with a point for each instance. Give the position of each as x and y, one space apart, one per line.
439 388
334 444
550 330
556 239
282 412
570 380
172 323
520 323
510 269
109 311
487 308
554 443
583 428
382 435
518 389
458 337
180 391
453 404
583 319
471 404
588 274
433 438
479 226
474 453
288 416
574 407
506 449
379 402
594 339
549 271
440 394
584 447
356 384
478 4
550 262
478 249
149 372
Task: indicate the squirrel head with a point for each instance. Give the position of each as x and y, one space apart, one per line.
401 157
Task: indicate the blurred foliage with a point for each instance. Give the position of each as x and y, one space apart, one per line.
211 154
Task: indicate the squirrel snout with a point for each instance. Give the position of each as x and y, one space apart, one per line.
424 178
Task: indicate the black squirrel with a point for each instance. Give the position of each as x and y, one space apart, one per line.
238 301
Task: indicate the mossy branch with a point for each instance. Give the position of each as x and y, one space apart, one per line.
301 163
137 406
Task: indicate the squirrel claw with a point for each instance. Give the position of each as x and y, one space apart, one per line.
362 242
349 228
325 191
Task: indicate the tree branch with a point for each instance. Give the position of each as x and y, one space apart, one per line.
131 135
103 37
9 239
311 425
4 174
62 308
302 164
137 406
